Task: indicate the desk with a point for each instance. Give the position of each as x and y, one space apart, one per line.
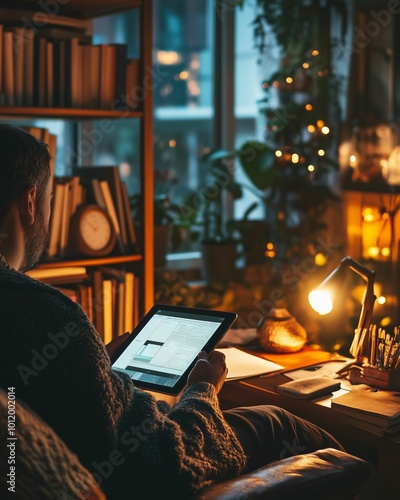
382 450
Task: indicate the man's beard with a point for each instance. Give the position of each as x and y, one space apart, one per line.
36 243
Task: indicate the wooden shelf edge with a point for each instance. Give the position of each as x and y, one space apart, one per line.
104 261
81 9
63 113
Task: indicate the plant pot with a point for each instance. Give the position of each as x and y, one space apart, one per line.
218 260
255 236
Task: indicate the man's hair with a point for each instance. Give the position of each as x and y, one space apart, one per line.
24 162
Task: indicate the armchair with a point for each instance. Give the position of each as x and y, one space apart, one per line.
48 470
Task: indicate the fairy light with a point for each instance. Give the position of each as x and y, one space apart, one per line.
295 158
265 85
320 259
305 65
309 107
381 300
311 168
320 123
320 73
184 75
325 130
321 152
289 80
172 143
276 84
278 153
385 252
315 52
311 129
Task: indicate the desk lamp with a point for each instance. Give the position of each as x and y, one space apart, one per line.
323 297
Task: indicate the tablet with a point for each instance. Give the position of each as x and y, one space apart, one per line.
163 348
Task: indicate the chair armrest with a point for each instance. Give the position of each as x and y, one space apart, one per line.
329 474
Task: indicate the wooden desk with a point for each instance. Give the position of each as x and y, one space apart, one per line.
382 451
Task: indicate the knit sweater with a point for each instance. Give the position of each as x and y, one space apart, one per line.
135 446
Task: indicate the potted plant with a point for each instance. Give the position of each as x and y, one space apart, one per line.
168 223
205 213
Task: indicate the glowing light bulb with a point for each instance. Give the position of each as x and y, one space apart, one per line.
309 107
278 153
305 65
320 123
315 52
373 251
385 252
320 301
311 129
311 168
289 79
381 299
321 152
184 75
325 130
172 143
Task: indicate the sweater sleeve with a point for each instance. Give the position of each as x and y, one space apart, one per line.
131 444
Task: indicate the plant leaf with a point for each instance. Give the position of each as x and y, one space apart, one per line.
258 160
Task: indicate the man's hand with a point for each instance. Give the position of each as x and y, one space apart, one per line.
116 342
209 368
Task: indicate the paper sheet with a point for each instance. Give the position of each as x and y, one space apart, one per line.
242 364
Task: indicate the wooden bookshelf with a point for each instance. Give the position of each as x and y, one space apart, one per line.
77 15
105 261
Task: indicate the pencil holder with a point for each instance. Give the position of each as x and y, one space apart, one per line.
379 377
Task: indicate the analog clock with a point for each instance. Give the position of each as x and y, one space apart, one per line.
92 232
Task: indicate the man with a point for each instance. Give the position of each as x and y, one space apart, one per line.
58 365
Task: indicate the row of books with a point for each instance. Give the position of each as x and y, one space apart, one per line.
60 68
98 185
108 296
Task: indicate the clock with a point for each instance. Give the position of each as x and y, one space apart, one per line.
91 231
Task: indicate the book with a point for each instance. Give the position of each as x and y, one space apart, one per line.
19 74
50 74
108 311
370 405
40 69
8 68
107 76
128 215
97 303
55 220
120 53
129 302
29 55
132 82
105 189
58 273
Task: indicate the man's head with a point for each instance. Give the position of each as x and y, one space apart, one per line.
25 192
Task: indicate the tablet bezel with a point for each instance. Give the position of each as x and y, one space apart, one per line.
229 319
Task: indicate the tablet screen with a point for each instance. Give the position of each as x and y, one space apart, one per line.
165 345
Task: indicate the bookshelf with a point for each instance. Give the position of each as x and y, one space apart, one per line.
80 13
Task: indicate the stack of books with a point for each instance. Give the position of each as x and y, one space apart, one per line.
369 408
108 296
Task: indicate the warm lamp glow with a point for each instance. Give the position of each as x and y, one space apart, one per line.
321 301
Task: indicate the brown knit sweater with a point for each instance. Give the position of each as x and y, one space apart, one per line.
135 447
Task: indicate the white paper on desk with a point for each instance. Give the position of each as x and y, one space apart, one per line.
242 364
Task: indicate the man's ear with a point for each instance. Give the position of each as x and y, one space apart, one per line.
27 205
